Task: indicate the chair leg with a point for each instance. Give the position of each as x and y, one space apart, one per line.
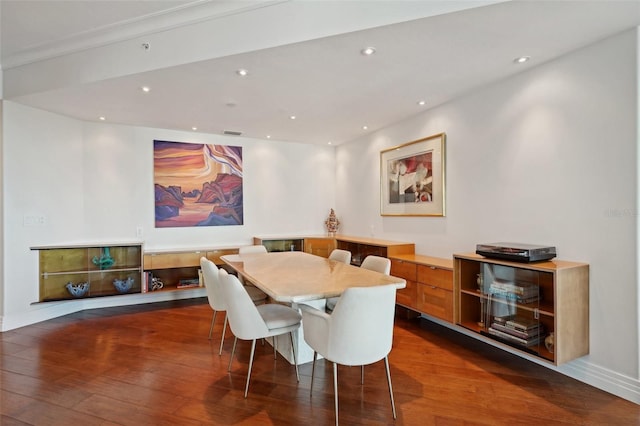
275 346
313 370
233 351
213 320
362 374
295 360
224 329
335 388
393 404
253 350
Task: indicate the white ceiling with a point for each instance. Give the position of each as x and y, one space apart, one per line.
86 59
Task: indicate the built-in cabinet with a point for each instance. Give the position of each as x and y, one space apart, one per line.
429 288
280 244
540 308
176 269
363 247
320 246
323 245
81 271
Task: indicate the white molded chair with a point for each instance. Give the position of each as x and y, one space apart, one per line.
252 249
374 263
255 249
210 274
340 255
358 332
251 322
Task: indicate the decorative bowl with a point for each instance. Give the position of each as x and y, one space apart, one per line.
123 286
77 290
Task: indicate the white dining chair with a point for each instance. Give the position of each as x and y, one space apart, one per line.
343 256
252 249
340 255
373 263
251 322
211 276
255 249
358 332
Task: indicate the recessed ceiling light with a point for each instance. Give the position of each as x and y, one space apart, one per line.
102 118
268 136
146 89
194 128
364 127
293 117
368 51
421 103
242 72
329 143
521 59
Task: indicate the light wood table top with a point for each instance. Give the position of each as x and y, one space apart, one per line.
296 276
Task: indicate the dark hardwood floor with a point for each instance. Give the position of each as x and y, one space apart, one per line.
153 365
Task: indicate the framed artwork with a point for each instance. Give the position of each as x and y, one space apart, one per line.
197 184
412 178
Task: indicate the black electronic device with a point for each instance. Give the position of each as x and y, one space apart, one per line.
516 252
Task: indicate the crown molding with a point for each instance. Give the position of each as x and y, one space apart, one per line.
180 16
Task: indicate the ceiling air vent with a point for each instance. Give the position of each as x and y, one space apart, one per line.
231 132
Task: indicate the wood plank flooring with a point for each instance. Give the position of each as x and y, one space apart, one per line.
153 365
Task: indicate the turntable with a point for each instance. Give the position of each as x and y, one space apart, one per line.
516 252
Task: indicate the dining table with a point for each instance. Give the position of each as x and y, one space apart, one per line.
296 277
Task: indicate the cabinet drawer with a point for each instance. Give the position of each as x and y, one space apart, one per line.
436 302
402 269
176 260
408 296
433 276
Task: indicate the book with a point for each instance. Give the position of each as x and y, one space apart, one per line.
536 332
520 298
188 282
524 290
521 323
535 340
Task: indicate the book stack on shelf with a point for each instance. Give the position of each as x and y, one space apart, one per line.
518 330
188 282
520 292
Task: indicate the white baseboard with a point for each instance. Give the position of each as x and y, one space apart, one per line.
49 310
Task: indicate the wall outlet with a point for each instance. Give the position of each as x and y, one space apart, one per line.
30 220
139 232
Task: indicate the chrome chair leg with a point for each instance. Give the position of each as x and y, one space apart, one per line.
295 360
224 329
233 351
313 370
213 320
335 388
362 374
393 404
253 350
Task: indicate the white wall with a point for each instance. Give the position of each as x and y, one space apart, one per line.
94 182
546 157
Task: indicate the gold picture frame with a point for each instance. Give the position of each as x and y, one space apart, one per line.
412 178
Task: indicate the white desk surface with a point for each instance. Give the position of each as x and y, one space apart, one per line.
296 276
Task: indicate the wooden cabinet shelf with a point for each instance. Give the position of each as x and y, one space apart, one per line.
363 247
82 271
172 267
429 287
541 308
274 244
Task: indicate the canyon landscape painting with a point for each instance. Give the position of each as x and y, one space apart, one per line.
197 184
